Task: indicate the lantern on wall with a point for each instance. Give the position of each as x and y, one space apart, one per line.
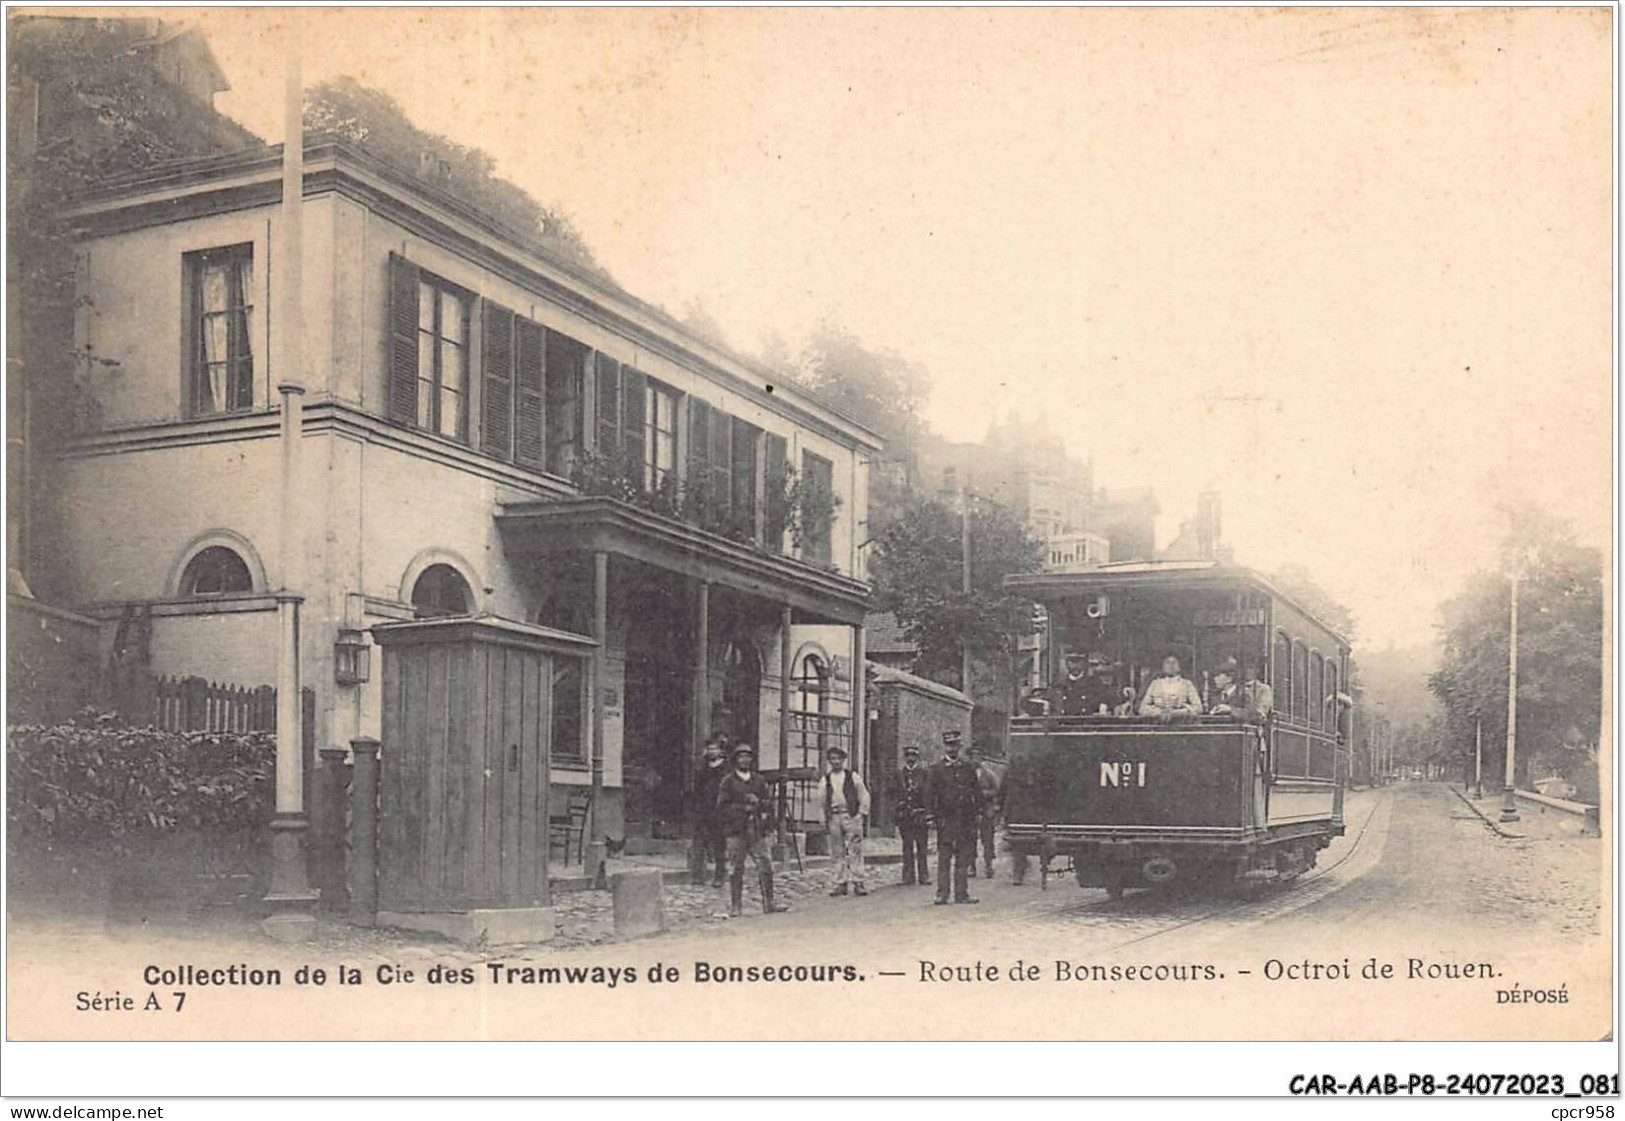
352 658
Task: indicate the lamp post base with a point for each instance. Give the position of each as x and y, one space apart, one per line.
1509 808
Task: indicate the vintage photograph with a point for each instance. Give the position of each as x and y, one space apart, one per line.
802 524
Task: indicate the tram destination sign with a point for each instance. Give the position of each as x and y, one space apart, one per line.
1230 617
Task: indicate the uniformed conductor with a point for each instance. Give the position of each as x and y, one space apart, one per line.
956 804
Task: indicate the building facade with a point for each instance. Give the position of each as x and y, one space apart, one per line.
486 430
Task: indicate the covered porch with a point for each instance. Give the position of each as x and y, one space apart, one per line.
698 634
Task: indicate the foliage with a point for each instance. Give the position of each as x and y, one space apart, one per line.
1560 645
92 779
918 576
375 122
104 111
795 505
1299 585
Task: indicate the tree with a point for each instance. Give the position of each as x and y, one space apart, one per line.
1560 646
1299 584
86 105
877 388
918 576
373 121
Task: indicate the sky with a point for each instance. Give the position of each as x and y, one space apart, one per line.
1350 267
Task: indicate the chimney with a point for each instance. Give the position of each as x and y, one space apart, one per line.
1207 524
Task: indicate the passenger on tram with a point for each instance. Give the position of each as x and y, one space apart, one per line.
1249 702
1069 694
1172 694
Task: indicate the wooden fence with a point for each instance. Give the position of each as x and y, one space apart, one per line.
192 704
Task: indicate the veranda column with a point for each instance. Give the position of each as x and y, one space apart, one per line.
860 702
597 850
292 902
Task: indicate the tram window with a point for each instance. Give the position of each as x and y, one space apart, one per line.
1282 684
1330 707
1317 683
1300 683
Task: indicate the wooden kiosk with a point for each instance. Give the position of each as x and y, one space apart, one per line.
468 711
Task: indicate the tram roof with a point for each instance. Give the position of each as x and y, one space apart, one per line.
1044 586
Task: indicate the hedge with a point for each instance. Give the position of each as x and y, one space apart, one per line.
92 779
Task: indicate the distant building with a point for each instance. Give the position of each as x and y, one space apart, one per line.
1025 467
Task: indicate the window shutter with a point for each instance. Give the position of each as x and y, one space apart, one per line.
497 391
403 340
699 448
776 452
609 407
633 430
721 481
530 378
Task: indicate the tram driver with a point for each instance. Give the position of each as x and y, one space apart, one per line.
1172 694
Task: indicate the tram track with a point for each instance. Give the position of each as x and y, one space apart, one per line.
1142 909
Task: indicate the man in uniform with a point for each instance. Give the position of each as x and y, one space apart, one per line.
845 799
708 836
745 806
908 795
955 802
1070 694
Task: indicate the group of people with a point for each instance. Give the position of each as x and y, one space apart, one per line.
958 797
1090 687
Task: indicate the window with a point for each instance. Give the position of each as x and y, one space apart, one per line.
1317 685
216 571
1282 685
742 488
221 294
1300 682
660 441
569 700
1333 711
441 591
566 359
817 506
621 398
442 358
428 351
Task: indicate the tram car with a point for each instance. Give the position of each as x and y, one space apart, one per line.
1143 776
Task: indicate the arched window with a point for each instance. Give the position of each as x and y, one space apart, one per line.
1282 685
216 571
441 591
1300 682
1317 690
812 685
1333 710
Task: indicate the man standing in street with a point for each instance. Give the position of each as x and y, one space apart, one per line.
956 802
708 837
909 795
845 799
744 806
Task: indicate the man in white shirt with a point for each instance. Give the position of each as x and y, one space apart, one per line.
845 799
1171 695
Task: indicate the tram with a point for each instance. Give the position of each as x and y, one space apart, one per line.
1138 796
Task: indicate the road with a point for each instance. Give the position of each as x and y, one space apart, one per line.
1410 927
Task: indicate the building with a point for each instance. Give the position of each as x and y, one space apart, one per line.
486 429
1025 467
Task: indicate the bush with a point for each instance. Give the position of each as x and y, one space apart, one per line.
93 780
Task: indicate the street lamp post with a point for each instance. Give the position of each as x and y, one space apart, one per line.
1509 807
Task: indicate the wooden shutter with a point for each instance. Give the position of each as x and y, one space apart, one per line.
609 407
403 340
776 454
743 481
496 364
633 426
530 388
721 480
698 452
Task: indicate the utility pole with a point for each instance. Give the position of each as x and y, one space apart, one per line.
291 900
1509 807
964 553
